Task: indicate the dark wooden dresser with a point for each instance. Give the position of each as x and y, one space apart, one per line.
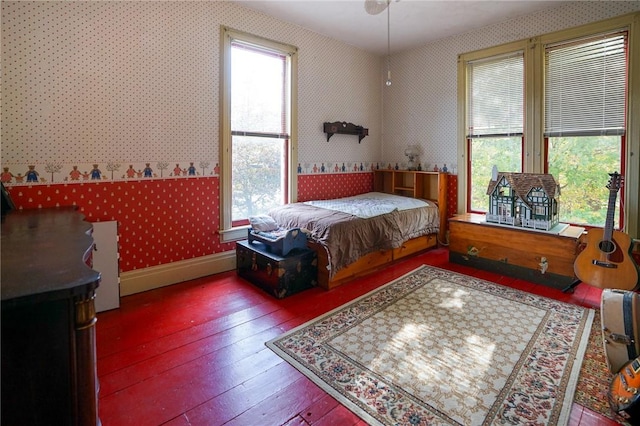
48 319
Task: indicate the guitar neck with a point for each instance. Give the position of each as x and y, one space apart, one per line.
611 209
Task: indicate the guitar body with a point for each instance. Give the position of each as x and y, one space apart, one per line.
610 266
607 263
624 392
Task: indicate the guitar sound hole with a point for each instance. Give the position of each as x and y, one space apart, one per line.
607 246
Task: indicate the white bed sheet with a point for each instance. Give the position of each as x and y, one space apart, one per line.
371 204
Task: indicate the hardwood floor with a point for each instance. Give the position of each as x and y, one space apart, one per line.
194 354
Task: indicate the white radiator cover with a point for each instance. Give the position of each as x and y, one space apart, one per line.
105 261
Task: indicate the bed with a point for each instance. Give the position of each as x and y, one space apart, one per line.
353 236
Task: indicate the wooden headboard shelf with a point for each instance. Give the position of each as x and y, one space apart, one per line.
416 184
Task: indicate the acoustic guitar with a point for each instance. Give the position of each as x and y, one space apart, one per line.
606 262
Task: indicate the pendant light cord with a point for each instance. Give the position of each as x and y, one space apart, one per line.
388 82
388 28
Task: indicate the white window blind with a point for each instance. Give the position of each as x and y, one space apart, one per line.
259 89
585 85
495 96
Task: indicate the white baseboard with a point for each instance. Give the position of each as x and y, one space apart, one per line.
140 280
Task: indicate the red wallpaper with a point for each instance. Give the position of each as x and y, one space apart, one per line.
326 186
452 195
166 220
159 221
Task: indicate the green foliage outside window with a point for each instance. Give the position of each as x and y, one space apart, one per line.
581 165
504 152
256 175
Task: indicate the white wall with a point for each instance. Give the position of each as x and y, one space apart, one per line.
137 82
420 107
134 82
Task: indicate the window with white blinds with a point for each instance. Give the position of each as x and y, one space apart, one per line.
576 109
495 96
259 91
585 86
258 149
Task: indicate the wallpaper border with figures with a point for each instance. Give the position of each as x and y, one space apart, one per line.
49 173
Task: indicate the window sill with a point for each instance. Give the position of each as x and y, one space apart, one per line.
233 234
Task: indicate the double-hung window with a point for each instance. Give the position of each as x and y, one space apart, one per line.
258 121
585 106
495 96
579 119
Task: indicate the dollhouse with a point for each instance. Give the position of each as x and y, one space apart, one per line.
528 200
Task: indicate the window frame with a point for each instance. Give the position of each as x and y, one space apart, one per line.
534 141
228 232
464 143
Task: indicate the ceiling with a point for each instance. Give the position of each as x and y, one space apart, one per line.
413 22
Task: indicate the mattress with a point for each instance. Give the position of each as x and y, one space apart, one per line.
351 227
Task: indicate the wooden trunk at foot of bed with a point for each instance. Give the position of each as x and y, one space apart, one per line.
368 263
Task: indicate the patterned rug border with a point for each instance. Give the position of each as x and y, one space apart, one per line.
498 290
593 384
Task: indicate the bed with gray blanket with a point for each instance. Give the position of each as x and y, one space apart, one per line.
352 228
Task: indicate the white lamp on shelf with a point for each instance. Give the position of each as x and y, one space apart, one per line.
412 153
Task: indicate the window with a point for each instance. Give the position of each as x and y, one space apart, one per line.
495 121
504 210
580 123
258 142
504 191
585 99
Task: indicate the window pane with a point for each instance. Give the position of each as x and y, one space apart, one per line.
504 152
495 96
259 130
257 175
257 87
581 165
585 85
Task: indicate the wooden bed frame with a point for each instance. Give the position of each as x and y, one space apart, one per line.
410 183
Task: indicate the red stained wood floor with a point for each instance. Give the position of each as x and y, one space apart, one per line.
194 353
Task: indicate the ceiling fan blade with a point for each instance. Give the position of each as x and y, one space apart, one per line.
374 7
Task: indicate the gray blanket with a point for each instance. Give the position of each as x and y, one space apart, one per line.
346 237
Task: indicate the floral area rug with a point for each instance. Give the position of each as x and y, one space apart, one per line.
595 377
439 348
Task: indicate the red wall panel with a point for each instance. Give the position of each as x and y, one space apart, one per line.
165 220
326 186
452 195
159 221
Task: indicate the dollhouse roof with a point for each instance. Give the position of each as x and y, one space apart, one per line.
522 183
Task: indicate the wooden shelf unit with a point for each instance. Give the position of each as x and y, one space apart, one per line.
430 186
